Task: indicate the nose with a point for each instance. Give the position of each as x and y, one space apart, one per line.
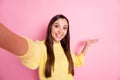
60 30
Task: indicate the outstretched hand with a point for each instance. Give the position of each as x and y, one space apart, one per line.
88 43
91 41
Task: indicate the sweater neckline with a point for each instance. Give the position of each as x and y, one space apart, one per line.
57 44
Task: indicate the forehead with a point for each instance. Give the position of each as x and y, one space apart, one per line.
61 21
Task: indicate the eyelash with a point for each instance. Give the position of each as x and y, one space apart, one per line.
63 27
56 26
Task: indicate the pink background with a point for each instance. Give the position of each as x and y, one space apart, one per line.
89 19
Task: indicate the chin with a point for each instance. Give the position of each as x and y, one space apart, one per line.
57 40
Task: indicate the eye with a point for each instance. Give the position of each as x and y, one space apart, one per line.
65 28
56 26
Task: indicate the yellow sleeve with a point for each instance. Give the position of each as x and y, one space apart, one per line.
32 56
78 60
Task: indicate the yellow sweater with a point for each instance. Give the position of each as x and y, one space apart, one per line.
36 57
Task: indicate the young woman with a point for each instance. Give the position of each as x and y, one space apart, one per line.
52 56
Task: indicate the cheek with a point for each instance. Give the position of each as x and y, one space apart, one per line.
53 30
65 32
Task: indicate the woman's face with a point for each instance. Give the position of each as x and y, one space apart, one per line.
59 29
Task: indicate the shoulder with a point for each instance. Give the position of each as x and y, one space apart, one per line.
40 43
35 42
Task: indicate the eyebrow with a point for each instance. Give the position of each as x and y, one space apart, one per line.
58 23
55 23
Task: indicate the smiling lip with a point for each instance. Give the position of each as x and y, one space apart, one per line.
58 35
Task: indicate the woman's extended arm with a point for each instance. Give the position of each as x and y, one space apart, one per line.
12 42
87 44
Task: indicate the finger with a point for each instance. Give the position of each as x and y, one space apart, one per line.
92 41
95 40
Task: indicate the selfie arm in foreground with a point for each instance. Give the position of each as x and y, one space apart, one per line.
12 42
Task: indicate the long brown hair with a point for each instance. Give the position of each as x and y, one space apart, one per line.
65 42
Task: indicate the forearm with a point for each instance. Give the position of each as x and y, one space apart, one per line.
87 44
84 49
11 41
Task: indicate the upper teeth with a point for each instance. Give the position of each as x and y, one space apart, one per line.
58 35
